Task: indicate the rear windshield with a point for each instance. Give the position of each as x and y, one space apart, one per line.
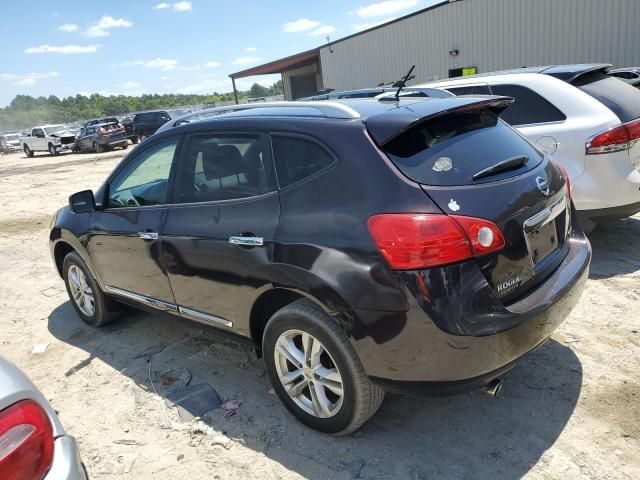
450 150
620 97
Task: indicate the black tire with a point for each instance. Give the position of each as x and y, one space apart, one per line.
134 140
28 152
361 397
125 146
97 147
105 309
52 150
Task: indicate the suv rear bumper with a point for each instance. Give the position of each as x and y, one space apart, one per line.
417 351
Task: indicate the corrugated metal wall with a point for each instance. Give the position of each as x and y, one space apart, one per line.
490 35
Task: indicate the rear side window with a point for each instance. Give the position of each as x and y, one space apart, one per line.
528 108
224 167
619 97
470 90
144 117
297 158
450 150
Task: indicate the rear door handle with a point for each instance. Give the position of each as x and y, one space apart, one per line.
247 241
148 235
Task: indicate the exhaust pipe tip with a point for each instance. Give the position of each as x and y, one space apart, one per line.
494 388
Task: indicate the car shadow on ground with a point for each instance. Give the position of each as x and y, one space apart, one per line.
615 249
468 436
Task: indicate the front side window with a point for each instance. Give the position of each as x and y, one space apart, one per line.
528 108
143 181
297 158
224 167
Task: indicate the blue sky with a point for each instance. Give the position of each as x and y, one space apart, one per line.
151 46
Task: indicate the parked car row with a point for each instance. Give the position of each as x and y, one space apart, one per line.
9 142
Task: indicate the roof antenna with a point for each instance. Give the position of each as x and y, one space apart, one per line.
403 81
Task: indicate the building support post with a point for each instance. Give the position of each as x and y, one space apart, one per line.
235 92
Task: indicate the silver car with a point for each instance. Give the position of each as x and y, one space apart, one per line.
33 443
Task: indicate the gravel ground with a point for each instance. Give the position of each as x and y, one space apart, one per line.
569 410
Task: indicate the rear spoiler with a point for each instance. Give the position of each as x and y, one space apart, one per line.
384 127
571 73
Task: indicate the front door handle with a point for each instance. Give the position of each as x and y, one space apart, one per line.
148 235
247 241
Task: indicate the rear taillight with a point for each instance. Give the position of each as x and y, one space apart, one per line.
26 442
565 174
615 139
411 241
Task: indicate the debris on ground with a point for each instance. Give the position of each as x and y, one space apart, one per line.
150 352
40 348
120 464
174 377
193 400
230 407
129 442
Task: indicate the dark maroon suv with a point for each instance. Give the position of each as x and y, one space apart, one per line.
417 245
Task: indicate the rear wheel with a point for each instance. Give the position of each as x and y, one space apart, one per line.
88 300
315 370
28 152
97 147
134 140
125 146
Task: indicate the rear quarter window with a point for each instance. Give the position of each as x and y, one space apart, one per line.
618 96
450 150
528 108
298 158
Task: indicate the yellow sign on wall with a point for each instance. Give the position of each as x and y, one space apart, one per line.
469 71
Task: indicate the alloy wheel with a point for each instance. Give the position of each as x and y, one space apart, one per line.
308 374
81 291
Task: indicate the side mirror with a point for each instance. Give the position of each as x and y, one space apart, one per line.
82 202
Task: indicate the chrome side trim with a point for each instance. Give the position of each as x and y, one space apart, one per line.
540 219
152 302
203 317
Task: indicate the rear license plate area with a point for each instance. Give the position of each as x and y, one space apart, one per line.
543 242
545 232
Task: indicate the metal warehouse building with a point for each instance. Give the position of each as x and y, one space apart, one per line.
458 37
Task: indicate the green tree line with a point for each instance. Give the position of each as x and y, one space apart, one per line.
25 111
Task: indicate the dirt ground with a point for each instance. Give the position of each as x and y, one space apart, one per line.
569 410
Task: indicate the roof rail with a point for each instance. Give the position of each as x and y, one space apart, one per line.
310 109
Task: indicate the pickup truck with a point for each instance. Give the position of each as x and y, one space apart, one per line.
48 138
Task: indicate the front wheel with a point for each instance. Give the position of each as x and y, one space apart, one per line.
134 140
88 300
316 372
52 150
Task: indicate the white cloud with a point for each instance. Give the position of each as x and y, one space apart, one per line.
250 49
101 27
68 27
131 88
365 26
385 8
27 79
63 49
212 64
162 64
182 6
323 30
300 25
191 68
128 63
177 6
245 60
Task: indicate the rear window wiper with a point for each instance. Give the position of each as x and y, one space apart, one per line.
502 166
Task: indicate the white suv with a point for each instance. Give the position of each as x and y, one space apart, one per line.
588 120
